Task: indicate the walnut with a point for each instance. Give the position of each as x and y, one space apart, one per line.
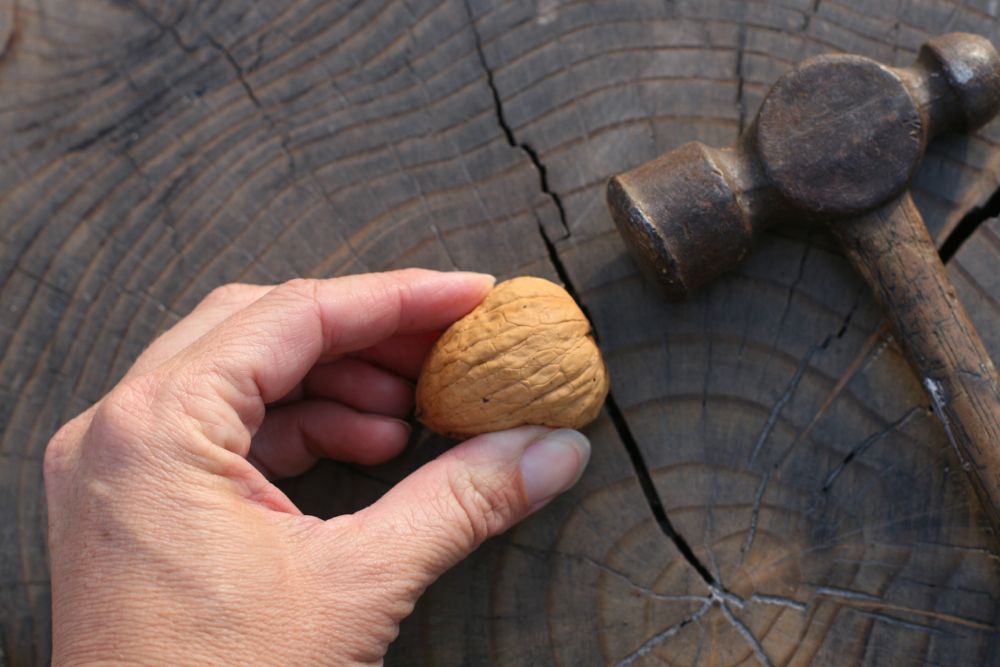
523 356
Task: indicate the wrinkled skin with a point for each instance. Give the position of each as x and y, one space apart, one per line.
169 543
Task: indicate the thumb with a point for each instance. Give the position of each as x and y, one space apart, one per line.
439 514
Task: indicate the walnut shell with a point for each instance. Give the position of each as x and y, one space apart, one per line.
523 356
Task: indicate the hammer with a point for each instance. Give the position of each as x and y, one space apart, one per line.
836 142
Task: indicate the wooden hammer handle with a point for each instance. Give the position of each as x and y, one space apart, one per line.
893 251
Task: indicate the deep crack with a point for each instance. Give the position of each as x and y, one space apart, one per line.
652 495
968 225
614 411
508 132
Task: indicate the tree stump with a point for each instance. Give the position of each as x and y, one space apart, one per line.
768 484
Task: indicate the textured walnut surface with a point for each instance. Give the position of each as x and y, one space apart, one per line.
523 356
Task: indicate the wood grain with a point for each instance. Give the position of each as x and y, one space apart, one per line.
153 150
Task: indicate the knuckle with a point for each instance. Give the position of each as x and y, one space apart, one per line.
301 295
228 293
62 445
56 453
107 431
303 288
115 416
384 297
485 506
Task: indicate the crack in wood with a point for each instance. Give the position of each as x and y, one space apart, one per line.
648 592
967 226
170 29
696 660
806 247
786 396
778 600
508 131
282 137
754 516
706 537
909 625
611 404
283 142
660 637
797 378
833 591
862 600
809 16
971 562
722 596
745 632
957 547
614 572
649 490
237 69
800 371
867 350
868 442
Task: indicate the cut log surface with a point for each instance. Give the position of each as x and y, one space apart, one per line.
768 484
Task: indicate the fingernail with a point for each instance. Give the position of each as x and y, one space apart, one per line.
487 278
552 464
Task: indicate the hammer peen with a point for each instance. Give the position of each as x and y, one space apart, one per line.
837 141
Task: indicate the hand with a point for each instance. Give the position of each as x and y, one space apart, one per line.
170 546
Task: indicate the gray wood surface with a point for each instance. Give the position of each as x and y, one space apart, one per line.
150 151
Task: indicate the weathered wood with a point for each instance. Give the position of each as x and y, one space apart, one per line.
151 151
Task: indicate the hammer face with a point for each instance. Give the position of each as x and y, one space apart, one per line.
681 217
644 240
840 135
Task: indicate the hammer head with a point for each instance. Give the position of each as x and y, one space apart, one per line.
687 215
835 137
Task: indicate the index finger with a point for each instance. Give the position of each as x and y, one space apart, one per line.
403 355
264 350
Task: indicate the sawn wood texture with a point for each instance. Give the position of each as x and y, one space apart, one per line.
150 151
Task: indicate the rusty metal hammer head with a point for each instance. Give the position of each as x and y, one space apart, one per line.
835 137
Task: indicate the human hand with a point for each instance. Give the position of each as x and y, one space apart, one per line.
170 545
